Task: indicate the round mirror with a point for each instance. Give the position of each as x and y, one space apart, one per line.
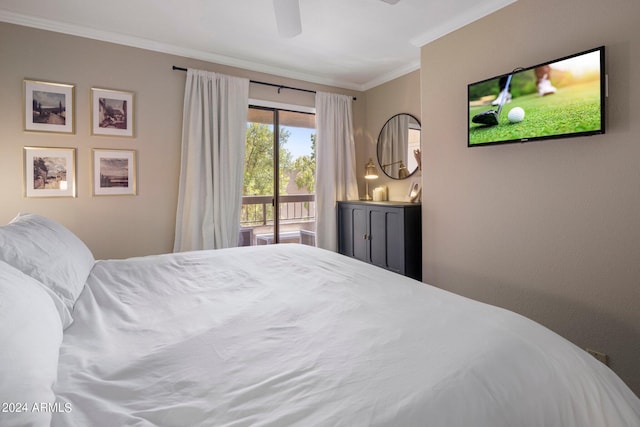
398 139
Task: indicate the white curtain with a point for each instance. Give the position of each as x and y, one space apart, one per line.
212 163
335 163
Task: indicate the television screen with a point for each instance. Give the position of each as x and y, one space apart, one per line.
556 99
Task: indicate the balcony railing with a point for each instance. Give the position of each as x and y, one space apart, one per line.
294 208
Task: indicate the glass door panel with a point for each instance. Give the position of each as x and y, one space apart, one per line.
297 216
279 180
257 224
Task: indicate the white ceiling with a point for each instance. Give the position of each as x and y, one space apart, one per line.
353 44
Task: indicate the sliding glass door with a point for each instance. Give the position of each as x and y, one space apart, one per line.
278 204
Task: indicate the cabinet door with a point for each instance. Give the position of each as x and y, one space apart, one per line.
378 237
352 221
359 221
395 240
386 245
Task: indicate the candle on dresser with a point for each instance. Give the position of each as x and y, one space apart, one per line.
378 194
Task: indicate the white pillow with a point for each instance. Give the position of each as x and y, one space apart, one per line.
30 335
48 252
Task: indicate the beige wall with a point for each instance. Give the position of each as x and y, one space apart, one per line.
548 229
112 226
401 95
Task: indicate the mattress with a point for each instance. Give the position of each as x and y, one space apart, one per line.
291 335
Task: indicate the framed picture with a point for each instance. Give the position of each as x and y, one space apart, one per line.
48 107
114 172
415 191
111 112
49 172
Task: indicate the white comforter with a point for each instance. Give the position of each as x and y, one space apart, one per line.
293 335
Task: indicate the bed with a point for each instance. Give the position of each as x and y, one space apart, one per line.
277 335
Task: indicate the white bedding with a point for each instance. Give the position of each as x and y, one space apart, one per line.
292 335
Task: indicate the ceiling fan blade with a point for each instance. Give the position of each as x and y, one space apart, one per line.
287 17
391 1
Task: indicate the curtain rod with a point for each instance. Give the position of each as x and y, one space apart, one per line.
280 87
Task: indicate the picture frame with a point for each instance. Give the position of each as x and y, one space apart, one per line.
49 172
415 191
49 107
112 112
114 172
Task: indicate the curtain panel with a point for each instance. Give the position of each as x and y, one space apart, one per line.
335 163
212 161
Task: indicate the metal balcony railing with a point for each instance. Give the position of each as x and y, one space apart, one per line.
294 208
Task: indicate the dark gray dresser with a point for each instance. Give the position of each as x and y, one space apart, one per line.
386 234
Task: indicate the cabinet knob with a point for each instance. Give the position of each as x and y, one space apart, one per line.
365 237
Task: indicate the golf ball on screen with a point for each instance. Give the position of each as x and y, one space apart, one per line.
516 114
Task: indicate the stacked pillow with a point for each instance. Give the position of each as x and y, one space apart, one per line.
43 269
31 334
51 254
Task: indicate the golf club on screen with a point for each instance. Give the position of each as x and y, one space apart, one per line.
490 117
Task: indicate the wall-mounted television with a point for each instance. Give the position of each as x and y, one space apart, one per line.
556 99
